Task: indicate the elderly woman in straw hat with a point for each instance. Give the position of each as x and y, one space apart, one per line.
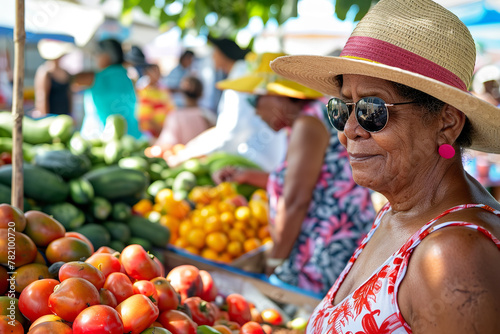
430 264
318 213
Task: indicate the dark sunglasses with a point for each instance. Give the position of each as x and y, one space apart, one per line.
253 100
371 113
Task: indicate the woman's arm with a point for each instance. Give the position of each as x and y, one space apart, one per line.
83 80
308 142
42 89
452 284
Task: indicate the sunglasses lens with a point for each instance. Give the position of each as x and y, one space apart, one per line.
338 113
371 114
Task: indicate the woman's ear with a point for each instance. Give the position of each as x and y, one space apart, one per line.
452 123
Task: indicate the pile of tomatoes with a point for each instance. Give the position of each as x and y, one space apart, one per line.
110 292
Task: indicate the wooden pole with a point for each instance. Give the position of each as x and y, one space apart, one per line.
17 108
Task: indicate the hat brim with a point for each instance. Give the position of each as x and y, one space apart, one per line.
257 84
320 72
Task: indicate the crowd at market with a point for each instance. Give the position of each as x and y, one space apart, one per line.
403 113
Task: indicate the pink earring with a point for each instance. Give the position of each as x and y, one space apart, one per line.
446 151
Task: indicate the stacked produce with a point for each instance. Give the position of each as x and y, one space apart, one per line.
222 225
56 283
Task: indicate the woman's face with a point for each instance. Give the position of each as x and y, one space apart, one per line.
277 111
103 60
394 158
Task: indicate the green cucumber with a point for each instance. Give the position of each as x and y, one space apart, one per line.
81 191
101 208
114 182
115 128
185 181
141 227
61 128
97 234
121 211
6 145
63 163
146 244
39 184
118 231
155 187
113 151
79 145
137 163
5 197
117 245
67 214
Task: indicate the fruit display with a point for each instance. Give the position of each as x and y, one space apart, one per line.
221 225
57 283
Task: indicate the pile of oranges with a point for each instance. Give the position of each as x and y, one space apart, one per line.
222 226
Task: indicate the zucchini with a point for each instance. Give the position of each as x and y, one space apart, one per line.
146 244
113 151
115 128
141 227
81 191
39 184
121 211
118 231
117 245
6 145
155 187
79 145
114 182
97 234
101 208
155 170
67 214
137 163
63 163
61 128
96 155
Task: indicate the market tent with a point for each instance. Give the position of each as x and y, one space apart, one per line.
55 19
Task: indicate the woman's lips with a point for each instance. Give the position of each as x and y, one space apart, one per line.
358 157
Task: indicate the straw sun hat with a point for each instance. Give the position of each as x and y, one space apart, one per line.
52 49
417 43
263 81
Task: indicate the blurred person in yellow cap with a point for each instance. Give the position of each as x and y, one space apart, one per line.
52 82
317 213
238 130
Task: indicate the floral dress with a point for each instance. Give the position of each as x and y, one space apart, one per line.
373 307
339 216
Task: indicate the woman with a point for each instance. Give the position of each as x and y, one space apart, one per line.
110 91
318 213
185 123
430 262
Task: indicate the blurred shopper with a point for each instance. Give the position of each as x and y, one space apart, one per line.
109 91
239 130
187 122
135 62
318 214
155 102
174 78
52 83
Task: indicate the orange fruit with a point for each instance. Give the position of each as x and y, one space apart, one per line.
199 195
242 213
164 196
226 189
259 210
225 206
226 228
198 221
181 242
173 238
254 224
212 224
170 222
196 237
237 235
193 250
266 240
227 217
207 211
251 244
143 207
263 232
235 248
217 241
239 225
225 257
185 227
259 194
178 209
210 254
250 233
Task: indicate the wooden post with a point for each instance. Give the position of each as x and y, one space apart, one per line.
18 108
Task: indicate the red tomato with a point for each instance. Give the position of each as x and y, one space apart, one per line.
33 301
4 284
234 326
137 313
82 238
10 216
6 157
272 317
106 250
138 263
177 322
168 298
223 315
186 280
72 296
201 311
98 319
252 327
210 290
106 263
27 274
222 329
9 326
255 315
24 248
146 288
107 298
47 318
51 327
238 308
268 329
83 270
67 249
42 228
120 286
